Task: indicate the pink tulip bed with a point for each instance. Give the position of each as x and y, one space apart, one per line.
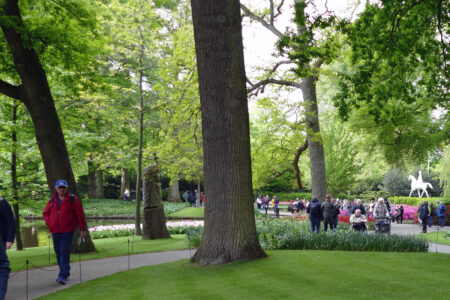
409 212
108 231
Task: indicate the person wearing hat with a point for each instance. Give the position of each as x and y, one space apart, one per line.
7 234
62 214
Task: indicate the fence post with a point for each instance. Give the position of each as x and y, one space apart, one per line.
437 237
49 249
27 278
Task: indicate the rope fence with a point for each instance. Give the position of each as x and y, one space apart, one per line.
26 266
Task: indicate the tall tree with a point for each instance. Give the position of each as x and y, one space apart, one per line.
308 46
230 232
396 81
34 92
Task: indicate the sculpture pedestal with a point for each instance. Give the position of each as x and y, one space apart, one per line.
154 224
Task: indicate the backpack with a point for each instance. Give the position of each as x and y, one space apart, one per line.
72 199
442 210
314 208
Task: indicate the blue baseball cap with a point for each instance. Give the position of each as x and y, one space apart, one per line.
61 182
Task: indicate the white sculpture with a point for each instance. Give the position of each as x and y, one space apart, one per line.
418 184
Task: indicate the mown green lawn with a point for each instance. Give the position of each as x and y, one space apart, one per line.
38 256
435 238
285 274
189 212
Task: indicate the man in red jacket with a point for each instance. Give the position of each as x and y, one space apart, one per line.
62 215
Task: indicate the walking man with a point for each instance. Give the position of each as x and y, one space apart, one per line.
62 214
7 234
441 214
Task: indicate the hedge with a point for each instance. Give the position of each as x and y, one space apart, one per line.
416 200
286 196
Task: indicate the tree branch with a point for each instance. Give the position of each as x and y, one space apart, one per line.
259 86
262 21
300 150
10 90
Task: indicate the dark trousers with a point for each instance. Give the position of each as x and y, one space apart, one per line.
61 244
325 225
424 224
4 271
441 220
399 219
315 224
361 226
430 220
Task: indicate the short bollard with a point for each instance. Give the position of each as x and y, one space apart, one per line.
437 238
49 249
129 268
27 279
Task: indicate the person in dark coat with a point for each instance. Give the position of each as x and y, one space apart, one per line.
337 211
399 217
328 211
358 205
430 218
423 215
315 214
7 235
441 213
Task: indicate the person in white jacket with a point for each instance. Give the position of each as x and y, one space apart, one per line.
380 210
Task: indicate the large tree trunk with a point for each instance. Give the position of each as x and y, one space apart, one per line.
315 143
34 92
137 220
100 191
174 190
92 182
229 232
124 182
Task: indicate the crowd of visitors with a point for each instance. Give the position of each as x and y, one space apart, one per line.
380 210
194 198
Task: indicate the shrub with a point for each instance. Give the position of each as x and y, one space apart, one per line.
396 182
447 235
416 201
289 234
194 236
285 197
368 196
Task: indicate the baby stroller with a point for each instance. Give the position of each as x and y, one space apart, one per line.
382 225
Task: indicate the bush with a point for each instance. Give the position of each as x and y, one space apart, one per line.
285 197
289 234
396 182
368 196
366 185
447 235
194 236
416 200
279 234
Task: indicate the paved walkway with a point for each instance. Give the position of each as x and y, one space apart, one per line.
43 281
410 229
